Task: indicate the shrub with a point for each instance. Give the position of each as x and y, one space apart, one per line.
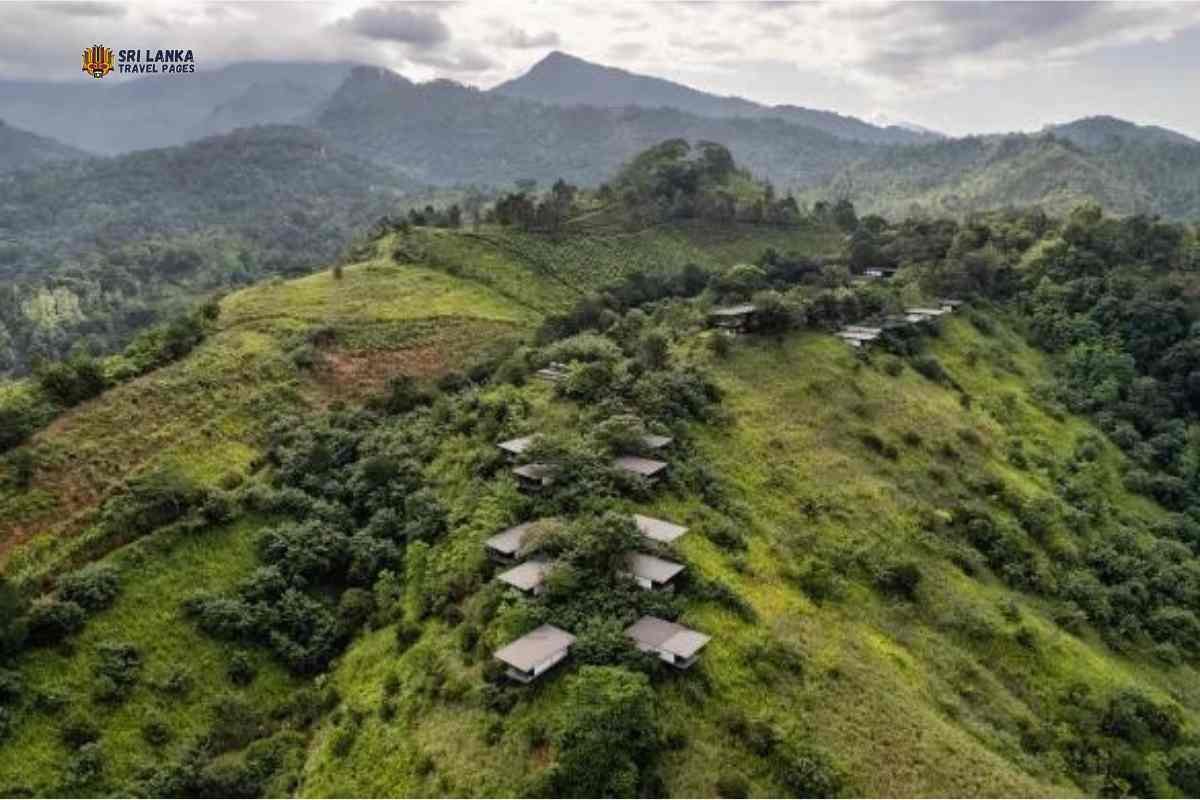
876 444
156 733
51 621
804 771
78 730
931 368
605 734
899 579
241 670
85 766
733 786
93 588
117 669
1184 770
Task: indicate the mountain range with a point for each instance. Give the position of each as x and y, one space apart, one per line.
570 118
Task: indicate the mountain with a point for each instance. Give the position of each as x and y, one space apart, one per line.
96 248
114 117
21 149
1151 175
446 133
565 80
950 563
1102 132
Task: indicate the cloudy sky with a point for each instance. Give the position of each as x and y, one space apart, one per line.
956 67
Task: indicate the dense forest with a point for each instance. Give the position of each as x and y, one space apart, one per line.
93 250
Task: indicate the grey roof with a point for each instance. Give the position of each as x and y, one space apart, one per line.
856 336
652 568
926 311
646 467
527 576
518 445
670 637
535 647
653 441
509 541
734 311
535 472
659 529
862 329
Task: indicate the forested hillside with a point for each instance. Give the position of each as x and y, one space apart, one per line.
1124 174
21 149
564 80
446 133
118 117
961 561
93 250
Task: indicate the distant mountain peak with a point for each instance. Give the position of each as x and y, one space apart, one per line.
562 79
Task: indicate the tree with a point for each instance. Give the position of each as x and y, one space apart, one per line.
605 734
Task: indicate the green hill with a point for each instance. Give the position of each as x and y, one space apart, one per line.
21 150
1124 174
93 250
259 570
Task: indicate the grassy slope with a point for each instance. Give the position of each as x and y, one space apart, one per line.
924 698
206 413
909 698
157 575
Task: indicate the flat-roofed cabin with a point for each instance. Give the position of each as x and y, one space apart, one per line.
529 577
658 529
650 572
512 448
675 644
534 653
646 468
534 477
506 546
733 318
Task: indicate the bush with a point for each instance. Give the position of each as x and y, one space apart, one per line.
241 671
605 734
119 666
733 786
1184 770
899 579
156 733
804 771
51 621
85 766
931 368
93 588
78 730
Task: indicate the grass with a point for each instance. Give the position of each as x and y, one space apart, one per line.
909 698
157 574
206 414
839 466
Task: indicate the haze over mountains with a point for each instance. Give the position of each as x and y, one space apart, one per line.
570 118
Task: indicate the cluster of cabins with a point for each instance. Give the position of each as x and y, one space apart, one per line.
864 333
537 651
537 476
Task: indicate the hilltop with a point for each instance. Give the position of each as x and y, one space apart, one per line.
951 564
22 150
95 249
565 80
1125 174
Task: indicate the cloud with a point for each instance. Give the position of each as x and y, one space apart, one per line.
519 39
463 61
393 22
85 9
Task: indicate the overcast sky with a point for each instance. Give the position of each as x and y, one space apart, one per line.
956 67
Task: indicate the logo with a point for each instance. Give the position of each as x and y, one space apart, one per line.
97 61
